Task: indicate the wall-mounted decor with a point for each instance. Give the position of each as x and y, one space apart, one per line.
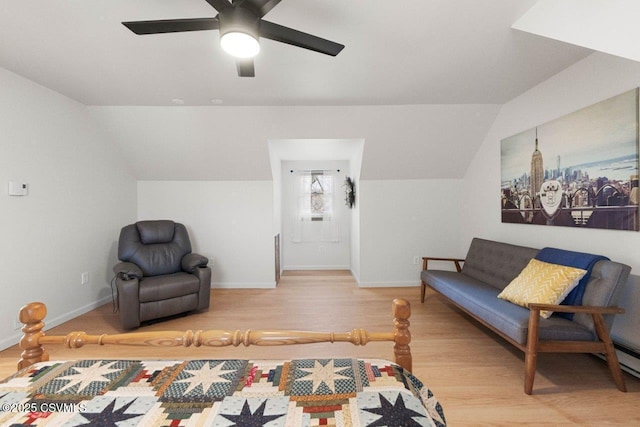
349 192
580 170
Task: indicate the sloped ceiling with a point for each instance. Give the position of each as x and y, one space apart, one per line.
609 26
231 143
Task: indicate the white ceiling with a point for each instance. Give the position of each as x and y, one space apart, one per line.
409 52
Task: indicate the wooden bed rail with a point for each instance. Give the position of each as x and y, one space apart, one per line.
33 314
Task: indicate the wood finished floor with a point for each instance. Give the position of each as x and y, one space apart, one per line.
476 376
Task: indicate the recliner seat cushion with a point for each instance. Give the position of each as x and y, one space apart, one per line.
168 286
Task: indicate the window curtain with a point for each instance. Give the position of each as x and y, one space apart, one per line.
314 216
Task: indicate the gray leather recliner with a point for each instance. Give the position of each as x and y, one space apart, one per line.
159 276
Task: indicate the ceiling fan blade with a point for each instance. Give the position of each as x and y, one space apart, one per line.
245 67
276 32
260 7
219 5
172 25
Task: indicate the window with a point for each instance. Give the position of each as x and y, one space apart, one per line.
320 195
314 217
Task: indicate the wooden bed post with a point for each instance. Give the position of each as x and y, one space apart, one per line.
401 335
32 315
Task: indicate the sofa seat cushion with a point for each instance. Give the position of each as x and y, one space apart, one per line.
174 285
512 320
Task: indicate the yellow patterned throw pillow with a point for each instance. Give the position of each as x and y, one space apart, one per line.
543 283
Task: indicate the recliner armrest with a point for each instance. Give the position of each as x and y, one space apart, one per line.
128 301
192 261
127 270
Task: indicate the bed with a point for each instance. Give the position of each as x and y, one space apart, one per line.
216 392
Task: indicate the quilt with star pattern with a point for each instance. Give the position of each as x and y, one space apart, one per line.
305 392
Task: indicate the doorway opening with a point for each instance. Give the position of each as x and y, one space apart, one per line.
317 227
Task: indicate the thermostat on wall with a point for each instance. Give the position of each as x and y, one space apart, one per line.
18 188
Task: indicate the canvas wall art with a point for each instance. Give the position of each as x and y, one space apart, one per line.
580 170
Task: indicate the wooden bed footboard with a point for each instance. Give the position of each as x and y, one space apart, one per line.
34 338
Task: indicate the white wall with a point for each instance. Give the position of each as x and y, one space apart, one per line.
80 195
594 79
230 222
591 80
402 219
315 253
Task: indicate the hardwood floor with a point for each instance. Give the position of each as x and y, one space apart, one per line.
476 376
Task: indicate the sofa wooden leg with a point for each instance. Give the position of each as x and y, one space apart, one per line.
423 290
610 351
531 354
614 367
530 361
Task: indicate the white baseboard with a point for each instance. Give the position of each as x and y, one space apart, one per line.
356 277
390 284
629 363
56 321
316 267
10 341
243 285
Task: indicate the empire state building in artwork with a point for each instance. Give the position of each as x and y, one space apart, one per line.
537 172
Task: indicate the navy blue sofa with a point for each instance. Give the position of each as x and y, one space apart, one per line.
490 266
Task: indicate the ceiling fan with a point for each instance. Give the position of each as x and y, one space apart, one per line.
241 26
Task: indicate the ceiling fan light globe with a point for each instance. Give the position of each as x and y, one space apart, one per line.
239 44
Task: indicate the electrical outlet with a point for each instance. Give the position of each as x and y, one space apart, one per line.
84 278
416 259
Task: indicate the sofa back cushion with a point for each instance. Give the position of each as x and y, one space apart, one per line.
605 286
496 263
